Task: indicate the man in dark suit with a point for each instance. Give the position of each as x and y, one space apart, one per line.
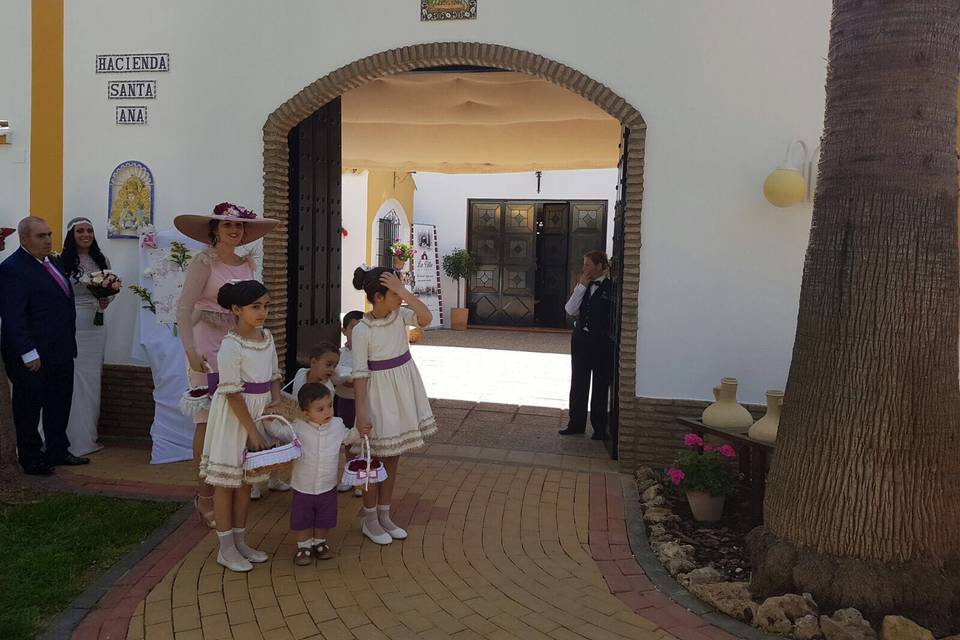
38 344
591 347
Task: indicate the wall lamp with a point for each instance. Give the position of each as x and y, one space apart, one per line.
792 182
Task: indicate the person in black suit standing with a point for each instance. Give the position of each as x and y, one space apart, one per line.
591 347
38 345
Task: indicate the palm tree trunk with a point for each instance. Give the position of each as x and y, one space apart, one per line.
863 500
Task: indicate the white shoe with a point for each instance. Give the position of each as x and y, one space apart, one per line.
382 538
255 492
275 484
254 555
396 534
343 487
240 566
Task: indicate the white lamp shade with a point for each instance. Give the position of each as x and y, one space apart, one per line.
785 187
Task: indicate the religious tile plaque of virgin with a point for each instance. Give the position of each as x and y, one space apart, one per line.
431 10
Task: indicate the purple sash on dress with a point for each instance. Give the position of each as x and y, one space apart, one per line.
392 363
251 388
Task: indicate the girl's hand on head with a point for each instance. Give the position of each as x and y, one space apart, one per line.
390 280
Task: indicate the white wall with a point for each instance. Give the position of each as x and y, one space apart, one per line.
441 199
353 249
722 86
15 107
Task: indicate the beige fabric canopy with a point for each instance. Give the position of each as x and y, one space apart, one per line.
488 122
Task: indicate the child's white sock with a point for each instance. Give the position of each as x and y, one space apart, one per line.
372 522
383 513
228 548
305 544
248 552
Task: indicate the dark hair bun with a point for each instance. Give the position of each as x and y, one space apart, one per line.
241 293
359 277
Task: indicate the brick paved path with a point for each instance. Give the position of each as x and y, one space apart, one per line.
498 548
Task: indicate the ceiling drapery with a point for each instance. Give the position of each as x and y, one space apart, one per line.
487 122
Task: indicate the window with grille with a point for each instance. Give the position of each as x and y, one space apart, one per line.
388 231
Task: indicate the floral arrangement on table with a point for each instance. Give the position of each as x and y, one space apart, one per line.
703 471
402 251
103 285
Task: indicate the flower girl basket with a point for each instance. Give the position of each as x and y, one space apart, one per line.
276 459
364 470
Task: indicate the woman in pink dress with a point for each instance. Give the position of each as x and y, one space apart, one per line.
202 322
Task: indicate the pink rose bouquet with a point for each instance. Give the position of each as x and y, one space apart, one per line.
103 285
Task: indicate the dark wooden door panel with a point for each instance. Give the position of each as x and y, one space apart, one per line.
314 234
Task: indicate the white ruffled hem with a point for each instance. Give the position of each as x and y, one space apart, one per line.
192 405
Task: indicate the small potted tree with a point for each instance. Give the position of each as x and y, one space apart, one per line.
705 475
459 265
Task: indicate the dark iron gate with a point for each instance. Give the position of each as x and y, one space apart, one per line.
616 273
314 228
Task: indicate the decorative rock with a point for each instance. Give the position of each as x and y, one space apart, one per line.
899 628
792 605
653 491
807 628
772 619
656 501
703 575
645 473
731 598
674 550
846 624
643 485
677 566
659 515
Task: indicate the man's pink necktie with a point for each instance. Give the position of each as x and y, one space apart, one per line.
53 274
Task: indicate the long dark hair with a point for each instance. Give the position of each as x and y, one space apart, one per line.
369 281
70 259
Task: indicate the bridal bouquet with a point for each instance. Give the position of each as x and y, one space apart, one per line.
102 284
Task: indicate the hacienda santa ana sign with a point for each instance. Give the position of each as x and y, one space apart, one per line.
132 89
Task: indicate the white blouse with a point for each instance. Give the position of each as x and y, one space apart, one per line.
299 380
317 470
344 374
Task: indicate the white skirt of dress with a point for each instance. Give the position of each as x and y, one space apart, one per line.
225 440
87 372
399 411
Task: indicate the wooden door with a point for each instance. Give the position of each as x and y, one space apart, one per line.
587 232
552 290
616 273
483 292
313 249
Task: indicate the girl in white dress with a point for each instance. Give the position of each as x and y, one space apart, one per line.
388 390
249 387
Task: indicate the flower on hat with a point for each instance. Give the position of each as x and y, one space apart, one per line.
233 210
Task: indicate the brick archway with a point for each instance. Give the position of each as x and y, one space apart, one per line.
293 111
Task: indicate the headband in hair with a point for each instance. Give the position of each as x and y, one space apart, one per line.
76 221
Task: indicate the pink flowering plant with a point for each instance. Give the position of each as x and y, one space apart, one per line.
705 467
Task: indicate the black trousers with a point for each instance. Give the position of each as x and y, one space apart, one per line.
591 360
48 391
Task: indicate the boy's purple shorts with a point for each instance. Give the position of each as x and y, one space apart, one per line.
311 511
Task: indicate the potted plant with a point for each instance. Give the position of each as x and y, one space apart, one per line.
458 265
703 473
402 253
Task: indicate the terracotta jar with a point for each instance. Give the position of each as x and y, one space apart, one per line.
705 507
458 318
765 429
725 413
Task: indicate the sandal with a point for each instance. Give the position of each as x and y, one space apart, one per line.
323 551
206 517
303 557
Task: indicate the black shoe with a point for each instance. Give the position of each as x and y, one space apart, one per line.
598 436
39 469
570 431
69 460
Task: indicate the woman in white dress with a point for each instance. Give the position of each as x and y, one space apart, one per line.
82 255
388 389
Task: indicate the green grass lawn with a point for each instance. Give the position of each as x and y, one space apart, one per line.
54 546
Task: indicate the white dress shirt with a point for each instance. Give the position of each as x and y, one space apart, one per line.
301 379
317 470
573 304
32 355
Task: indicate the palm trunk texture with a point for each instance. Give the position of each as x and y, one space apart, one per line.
863 501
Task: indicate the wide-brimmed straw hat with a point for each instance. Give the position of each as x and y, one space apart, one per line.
197 226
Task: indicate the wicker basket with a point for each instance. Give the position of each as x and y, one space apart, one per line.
279 458
364 470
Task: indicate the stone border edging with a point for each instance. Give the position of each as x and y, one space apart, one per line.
65 623
664 582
